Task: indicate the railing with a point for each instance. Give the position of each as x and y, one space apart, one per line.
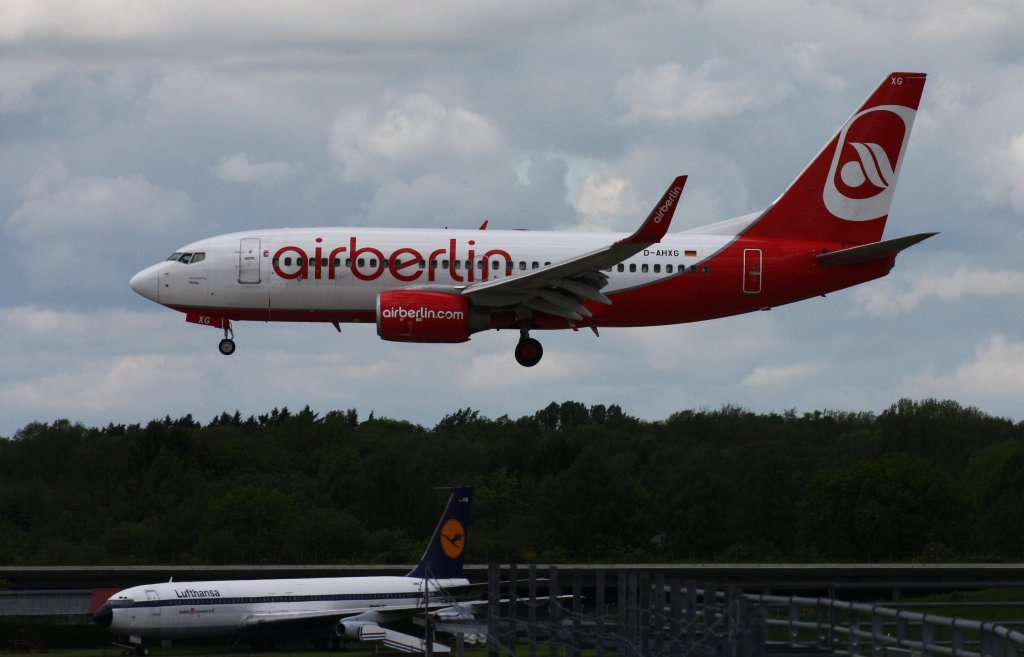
865 630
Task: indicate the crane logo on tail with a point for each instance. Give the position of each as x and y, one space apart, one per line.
453 538
862 178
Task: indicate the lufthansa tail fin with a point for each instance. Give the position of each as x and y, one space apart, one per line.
844 194
445 554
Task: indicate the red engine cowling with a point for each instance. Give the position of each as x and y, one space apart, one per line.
425 316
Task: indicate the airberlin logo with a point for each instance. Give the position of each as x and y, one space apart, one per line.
420 314
670 200
861 179
453 538
405 264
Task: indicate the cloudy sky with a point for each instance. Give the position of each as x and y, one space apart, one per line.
128 129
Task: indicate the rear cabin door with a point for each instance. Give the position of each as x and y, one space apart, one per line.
752 271
249 260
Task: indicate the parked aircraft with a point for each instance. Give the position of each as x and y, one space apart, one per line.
824 233
350 608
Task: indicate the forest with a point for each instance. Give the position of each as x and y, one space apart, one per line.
922 481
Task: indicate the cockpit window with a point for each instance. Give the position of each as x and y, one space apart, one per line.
188 258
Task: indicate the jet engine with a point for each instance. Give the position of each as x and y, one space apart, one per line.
427 316
359 631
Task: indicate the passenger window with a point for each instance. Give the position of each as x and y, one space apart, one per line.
337 262
621 267
632 268
300 261
348 262
693 269
323 261
288 262
275 261
643 268
423 264
668 269
522 265
705 269
536 265
361 262
657 269
458 264
373 262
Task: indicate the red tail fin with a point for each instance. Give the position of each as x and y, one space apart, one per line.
844 193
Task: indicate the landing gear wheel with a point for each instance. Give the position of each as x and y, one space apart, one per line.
528 352
227 345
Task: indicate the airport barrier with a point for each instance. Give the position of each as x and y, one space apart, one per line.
858 629
630 613
625 612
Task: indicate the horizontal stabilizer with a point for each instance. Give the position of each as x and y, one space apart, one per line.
856 255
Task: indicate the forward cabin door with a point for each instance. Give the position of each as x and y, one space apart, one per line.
249 260
752 271
155 609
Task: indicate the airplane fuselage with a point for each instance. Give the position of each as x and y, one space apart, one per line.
335 274
189 610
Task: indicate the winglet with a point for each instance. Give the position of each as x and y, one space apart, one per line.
446 551
657 222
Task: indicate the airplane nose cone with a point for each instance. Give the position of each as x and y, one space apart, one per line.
104 616
145 283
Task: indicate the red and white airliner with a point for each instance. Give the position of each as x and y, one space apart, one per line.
824 233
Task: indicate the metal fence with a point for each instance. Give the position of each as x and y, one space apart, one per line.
857 629
633 613
626 612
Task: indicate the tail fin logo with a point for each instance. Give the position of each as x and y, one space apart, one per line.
862 178
453 538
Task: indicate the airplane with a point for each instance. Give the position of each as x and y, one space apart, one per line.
822 234
349 608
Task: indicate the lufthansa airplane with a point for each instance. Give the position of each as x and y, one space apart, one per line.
824 233
352 608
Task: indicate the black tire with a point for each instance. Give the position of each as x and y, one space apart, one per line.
227 346
529 352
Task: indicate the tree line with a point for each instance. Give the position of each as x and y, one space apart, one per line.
928 480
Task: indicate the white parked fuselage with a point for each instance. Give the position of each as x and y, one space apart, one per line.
189 610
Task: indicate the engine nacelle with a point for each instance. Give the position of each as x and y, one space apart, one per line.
359 631
427 316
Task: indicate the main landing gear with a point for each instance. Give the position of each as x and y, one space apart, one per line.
227 345
529 350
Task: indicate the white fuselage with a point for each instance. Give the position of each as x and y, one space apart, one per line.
278 280
187 610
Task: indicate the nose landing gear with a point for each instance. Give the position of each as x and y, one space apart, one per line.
227 345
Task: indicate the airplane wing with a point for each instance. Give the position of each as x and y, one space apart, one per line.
322 616
358 624
561 288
